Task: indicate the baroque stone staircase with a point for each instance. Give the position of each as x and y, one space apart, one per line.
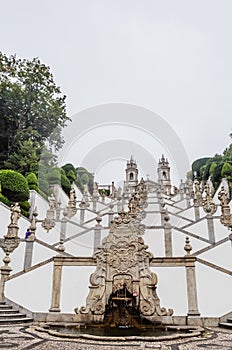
11 315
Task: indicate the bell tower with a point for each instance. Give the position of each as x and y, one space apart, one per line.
131 174
164 175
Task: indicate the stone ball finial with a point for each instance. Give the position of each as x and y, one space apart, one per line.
187 246
7 259
35 212
99 218
61 247
166 216
65 212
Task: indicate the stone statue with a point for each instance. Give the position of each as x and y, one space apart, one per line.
52 201
15 213
223 197
72 195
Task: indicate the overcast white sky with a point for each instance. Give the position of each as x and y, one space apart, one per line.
173 57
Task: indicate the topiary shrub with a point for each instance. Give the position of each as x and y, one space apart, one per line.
84 179
14 186
62 172
25 206
32 180
4 200
67 167
65 184
71 175
54 176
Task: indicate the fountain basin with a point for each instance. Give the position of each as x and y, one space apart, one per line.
100 333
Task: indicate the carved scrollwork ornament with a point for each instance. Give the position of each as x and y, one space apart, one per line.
122 218
226 218
208 205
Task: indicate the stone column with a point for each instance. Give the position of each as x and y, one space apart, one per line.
29 251
9 243
56 287
63 226
211 232
30 241
97 233
193 312
111 214
162 213
196 211
94 205
58 210
82 216
5 272
167 235
119 205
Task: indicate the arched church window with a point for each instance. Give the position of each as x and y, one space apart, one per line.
131 176
164 175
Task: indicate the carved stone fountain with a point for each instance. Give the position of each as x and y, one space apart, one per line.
123 288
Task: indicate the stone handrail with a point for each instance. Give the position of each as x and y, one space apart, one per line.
213 266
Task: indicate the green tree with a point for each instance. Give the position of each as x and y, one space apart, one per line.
31 107
212 167
226 170
216 175
25 159
196 166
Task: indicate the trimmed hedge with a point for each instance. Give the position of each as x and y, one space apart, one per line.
65 184
14 186
4 200
54 176
32 180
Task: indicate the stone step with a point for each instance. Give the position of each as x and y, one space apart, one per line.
5 306
8 311
225 325
15 320
12 315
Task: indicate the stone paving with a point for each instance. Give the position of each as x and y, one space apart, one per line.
26 338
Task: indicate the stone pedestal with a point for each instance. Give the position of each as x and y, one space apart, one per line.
111 216
194 321
211 232
63 228
29 251
82 216
191 290
197 212
5 273
56 288
167 237
94 205
97 237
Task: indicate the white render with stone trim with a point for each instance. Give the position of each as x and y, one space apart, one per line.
200 287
